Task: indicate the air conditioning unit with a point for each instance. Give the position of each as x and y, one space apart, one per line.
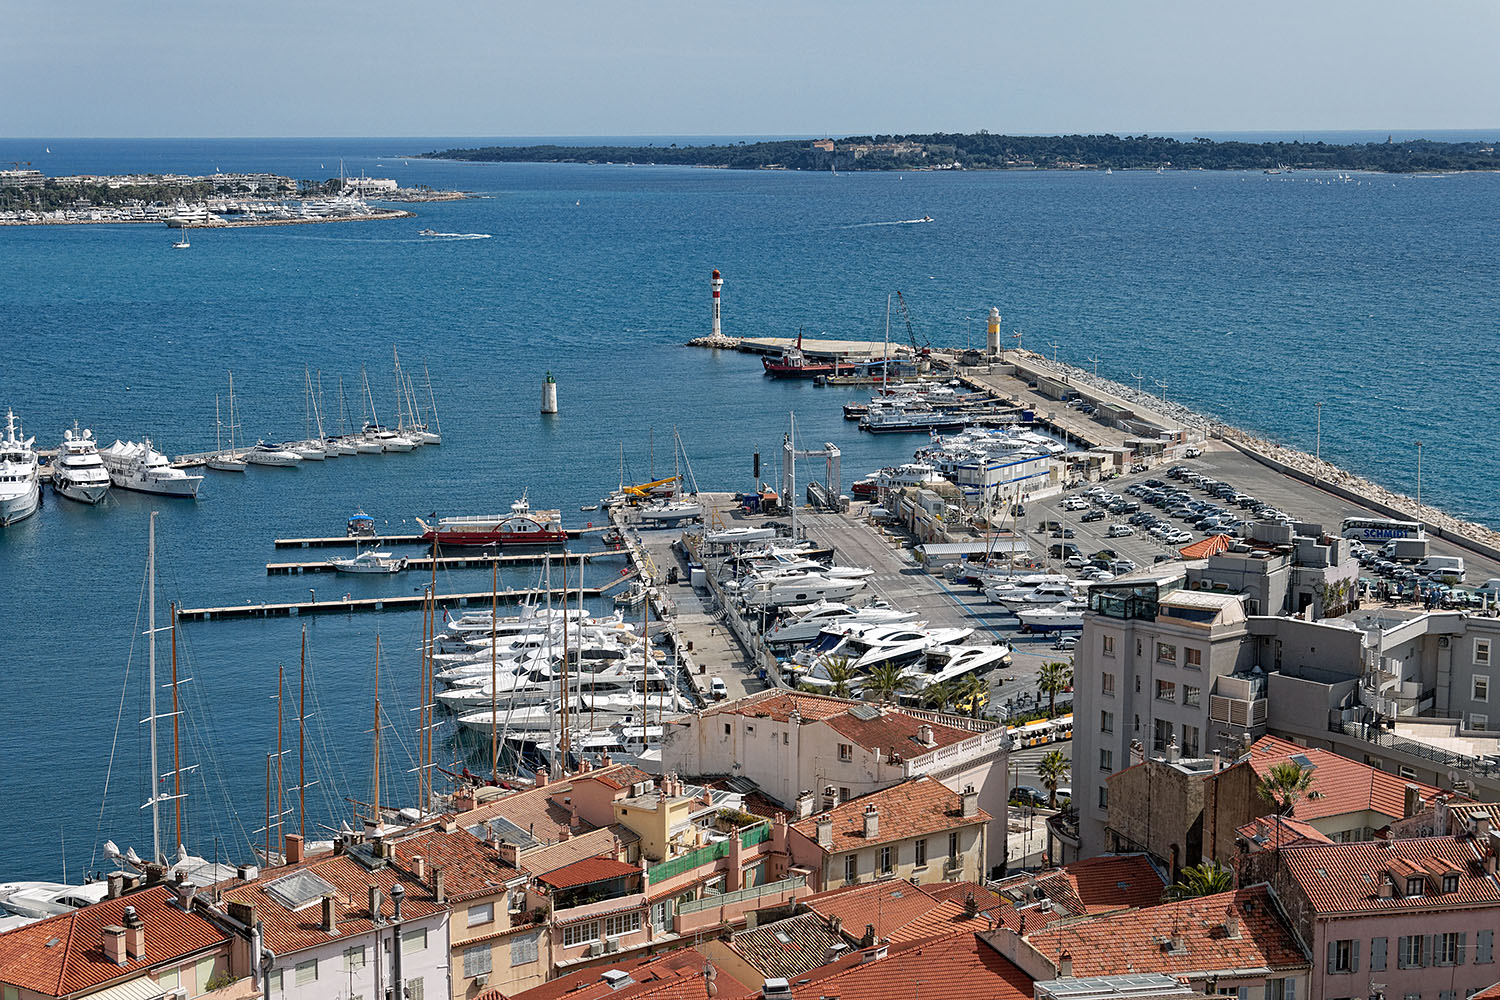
483 979
611 945
595 948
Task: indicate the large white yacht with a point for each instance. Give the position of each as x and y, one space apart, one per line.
20 494
805 624
798 588
140 467
77 472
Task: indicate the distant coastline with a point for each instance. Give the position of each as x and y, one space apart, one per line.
983 151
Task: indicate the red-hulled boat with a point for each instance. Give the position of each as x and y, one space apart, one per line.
522 526
794 364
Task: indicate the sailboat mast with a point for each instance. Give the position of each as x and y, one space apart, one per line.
231 412
375 800
280 772
302 741
885 368
563 693
176 746
218 426
151 684
494 682
437 424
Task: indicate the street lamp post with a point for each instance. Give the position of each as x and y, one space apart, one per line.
1163 387
1053 345
1419 481
1139 378
1318 454
1095 360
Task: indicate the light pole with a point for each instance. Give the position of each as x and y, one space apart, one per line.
1139 377
1163 387
1419 481
1053 345
1095 360
1318 454
1017 335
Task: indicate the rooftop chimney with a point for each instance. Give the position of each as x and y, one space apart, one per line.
116 885
804 804
331 915
293 849
248 873
1387 888
1231 922
1065 965
374 903
542 777
868 940
924 735
439 893
509 854
418 867
185 891
156 874
969 800
114 944
398 891
1481 827
825 831
1174 752
872 821
135 934
1413 802
776 989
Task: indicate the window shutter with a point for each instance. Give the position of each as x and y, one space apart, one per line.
1401 952
1290 990
1244 993
1429 950
1463 946
1484 948
1377 954
1333 957
1354 956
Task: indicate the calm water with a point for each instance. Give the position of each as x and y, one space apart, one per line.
1250 296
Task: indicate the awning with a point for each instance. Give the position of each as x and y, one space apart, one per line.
143 988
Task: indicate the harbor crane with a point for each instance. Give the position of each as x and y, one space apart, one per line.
925 350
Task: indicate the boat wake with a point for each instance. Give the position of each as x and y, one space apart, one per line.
454 236
897 222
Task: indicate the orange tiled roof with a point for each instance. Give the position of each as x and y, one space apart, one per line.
533 810
606 840
76 962
471 868
779 706
1092 886
288 931
1489 993
588 870
899 911
1263 830
1212 545
1345 878
953 967
675 975
914 808
1143 940
1339 785
894 730
617 777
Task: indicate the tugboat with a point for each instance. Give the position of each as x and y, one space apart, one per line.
794 364
522 526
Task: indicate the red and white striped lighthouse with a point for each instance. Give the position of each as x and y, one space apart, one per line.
718 284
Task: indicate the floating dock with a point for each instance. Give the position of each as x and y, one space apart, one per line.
411 602
323 543
454 562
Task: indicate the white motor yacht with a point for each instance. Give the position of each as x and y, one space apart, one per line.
369 561
1044 593
47 899
20 489
1063 617
271 454
945 662
308 451
805 626
740 536
77 472
669 512
142 468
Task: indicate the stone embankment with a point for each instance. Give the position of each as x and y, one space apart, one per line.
719 342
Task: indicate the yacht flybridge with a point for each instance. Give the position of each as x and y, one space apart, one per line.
20 489
77 472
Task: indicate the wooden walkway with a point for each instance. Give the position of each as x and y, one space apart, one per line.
336 540
412 602
478 558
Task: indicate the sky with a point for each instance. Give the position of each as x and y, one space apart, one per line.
103 68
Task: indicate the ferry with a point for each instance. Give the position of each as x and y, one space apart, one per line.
794 364
522 526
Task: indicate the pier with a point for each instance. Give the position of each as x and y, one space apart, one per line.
453 562
336 540
410 602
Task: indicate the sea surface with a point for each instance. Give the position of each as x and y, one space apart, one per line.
1251 296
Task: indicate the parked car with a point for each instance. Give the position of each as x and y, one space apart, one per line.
1028 795
1066 642
1093 515
717 689
1120 530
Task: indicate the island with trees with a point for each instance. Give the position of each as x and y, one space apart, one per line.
984 151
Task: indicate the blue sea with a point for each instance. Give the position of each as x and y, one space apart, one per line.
1252 297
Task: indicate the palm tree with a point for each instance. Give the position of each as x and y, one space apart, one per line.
1055 677
885 681
840 672
1206 879
971 688
1284 785
1053 769
940 696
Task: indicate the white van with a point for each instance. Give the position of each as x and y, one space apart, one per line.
1442 566
1489 588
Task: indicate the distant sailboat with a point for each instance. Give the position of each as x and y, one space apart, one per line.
182 240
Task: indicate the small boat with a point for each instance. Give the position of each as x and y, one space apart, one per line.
427 232
308 451
1064 617
20 489
77 472
522 526
740 536
588 507
669 512
225 461
361 525
271 454
369 561
182 240
794 364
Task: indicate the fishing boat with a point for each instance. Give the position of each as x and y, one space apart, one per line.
77 471
142 468
522 526
369 561
20 489
225 461
794 364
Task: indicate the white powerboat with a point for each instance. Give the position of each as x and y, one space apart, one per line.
271 454
669 512
308 451
1063 617
1044 593
739 536
77 471
945 662
142 468
20 489
805 626
47 899
797 588
369 561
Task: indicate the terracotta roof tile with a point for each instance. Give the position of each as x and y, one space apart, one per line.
1095 885
675 975
787 948
954 967
588 870
76 962
1345 878
471 868
288 931
1489 993
779 705
894 730
914 808
1141 940
1263 831
899 911
1339 785
606 840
